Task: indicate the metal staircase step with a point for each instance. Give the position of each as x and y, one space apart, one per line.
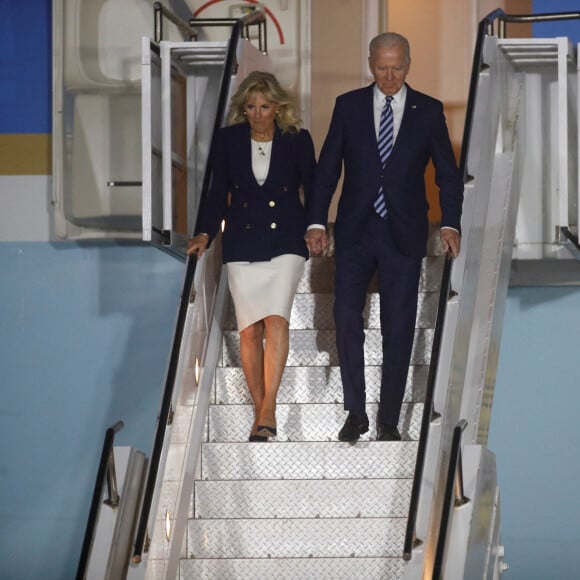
308 460
303 422
318 348
292 568
315 311
200 54
296 538
305 505
314 385
318 275
344 498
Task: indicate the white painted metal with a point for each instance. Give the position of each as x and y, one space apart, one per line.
473 524
114 528
292 568
562 143
166 131
466 372
199 351
305 68
202 64
522 142
150 138
180 477
546 68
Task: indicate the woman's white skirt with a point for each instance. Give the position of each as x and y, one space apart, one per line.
261 289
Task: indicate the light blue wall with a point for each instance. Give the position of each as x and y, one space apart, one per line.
535 429
535 433
84 342
85 332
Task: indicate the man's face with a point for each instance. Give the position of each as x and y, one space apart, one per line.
389 68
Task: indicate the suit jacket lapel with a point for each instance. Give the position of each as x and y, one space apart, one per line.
369 122
408 117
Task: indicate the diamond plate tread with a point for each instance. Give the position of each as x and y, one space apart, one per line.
316 460
300 422
315 385
311 311
293 568
296 538
318 348
319 275
382 498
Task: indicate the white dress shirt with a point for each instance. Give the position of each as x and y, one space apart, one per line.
397 104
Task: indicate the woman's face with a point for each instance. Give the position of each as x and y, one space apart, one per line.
260 112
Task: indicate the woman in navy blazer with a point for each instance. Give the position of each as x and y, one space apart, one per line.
261 163
391 245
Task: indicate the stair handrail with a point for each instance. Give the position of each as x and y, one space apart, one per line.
106 473
428 414
445 294
569 239
486 27
159 12
454 497
187 296
503 19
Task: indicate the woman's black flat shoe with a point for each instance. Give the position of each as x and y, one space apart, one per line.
270 431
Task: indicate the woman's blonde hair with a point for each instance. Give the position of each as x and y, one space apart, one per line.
267 84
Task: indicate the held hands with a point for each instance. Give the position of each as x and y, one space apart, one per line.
451 241
197 245
316 241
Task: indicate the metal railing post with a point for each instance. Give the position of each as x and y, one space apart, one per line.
104 475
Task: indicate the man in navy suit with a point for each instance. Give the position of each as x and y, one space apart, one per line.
393 241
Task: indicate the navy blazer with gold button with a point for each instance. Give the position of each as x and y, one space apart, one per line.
261 221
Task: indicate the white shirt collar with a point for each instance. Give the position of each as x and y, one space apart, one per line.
379 96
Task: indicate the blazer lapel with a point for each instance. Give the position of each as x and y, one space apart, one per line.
243 151
408 117
277 143
369 120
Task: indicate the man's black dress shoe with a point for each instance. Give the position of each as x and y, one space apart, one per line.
354 427
257 438
388 433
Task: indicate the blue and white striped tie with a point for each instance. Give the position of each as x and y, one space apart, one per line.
385 142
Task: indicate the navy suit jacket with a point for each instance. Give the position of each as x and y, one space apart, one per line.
352 139
261 221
